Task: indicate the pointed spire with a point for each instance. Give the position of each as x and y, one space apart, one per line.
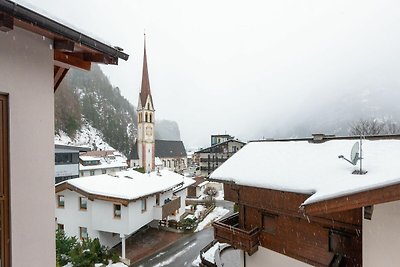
145 90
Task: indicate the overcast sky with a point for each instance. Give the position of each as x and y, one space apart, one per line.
230 66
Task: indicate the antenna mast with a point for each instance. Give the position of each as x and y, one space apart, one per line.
361 157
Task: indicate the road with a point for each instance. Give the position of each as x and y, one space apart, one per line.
182 253
186 250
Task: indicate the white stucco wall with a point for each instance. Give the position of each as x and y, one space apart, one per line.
111 171
71 215
103 217
266 257
381 236
26 64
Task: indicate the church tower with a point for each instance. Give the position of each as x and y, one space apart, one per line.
145 112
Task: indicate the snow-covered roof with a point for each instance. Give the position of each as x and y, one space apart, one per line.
88 158
124 188
104 163
312 168
203 183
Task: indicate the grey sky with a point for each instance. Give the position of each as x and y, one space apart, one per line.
243 66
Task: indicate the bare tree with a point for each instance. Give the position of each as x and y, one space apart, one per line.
391 128
373 127
211 192
367 127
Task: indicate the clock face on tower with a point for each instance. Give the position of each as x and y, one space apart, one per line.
148 131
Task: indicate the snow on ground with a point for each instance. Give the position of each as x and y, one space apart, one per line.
87 136
209 255
217 213
220 195
199 209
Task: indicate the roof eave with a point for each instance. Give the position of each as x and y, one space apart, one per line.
24 14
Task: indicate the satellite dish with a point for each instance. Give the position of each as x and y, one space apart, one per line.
354 156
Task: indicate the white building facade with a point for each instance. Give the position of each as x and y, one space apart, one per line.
113 208
90 166
32 66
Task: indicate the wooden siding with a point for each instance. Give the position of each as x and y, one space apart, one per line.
228 231
312 239
4 184
171 207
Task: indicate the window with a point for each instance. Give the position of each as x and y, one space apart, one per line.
92 173
60 227
83 233
158 199
60 201
81 173
4 184
66 158
269 223
143 204
83 203
117 211
104 171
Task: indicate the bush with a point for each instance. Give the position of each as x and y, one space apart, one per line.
83 253
211 192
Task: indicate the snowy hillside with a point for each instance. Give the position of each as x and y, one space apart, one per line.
87 136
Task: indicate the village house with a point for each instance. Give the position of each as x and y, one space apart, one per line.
196 189
97 163
301 204
35 54
112 208
222 147
67 162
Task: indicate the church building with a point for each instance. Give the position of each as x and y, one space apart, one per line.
146 150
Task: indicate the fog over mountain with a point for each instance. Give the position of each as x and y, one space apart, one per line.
336 114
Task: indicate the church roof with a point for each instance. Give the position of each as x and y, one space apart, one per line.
134 152
145 89
169 149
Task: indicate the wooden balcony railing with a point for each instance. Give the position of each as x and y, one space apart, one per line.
170 207
228 231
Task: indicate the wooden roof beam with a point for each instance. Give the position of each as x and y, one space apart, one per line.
59 74
354 201
6 22
70 60
64 45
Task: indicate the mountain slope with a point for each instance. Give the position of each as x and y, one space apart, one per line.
89 97
89 111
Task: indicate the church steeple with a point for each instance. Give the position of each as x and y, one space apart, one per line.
145 112
145 92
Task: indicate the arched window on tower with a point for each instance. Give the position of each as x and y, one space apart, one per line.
150 119
145 117
148 106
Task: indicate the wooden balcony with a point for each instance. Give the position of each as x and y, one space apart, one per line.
170 207
228 231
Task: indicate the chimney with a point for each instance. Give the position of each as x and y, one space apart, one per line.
320 137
